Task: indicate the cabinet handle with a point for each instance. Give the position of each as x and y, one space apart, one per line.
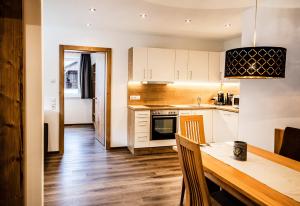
191 75
144 73
150 73
177 74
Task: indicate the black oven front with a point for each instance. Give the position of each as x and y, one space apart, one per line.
163 124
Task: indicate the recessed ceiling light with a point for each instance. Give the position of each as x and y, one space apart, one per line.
227 25
92 9
143 15
88 25
188 21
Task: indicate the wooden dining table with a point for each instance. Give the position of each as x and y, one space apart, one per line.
244 187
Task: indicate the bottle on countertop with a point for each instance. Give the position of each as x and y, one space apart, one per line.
229 98
221 97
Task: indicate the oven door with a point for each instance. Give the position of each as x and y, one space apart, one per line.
163 127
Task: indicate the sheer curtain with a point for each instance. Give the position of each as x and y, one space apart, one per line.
86 84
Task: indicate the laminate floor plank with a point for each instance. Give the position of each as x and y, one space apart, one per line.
88 175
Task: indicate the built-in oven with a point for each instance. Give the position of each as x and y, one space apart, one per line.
163 124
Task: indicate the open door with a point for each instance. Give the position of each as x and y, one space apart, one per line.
100 77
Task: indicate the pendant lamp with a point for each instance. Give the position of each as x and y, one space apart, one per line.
255 62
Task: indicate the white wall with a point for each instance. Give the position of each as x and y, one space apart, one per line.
232 43
78 111
119 42
34 160
274 103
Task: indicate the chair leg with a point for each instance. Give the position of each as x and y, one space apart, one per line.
182 192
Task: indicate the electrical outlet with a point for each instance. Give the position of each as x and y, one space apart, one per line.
135 97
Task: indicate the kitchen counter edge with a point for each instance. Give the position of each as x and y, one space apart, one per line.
178 107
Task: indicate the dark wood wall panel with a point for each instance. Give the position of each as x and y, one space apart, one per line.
11 103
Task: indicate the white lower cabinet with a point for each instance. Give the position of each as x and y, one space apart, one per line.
141 139
141 128
219 126
225 126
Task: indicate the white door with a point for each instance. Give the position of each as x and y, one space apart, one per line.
139 64
161 64
214 66
181 63
198 66
100 97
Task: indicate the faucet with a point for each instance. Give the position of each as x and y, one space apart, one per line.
199 100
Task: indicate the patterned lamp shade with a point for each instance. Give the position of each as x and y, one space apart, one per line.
255 63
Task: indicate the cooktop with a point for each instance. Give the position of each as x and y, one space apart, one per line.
153 105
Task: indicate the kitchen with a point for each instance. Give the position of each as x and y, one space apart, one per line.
159 95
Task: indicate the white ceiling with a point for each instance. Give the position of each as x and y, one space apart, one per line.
165 17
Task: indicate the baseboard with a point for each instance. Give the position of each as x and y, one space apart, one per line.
152 150
124 147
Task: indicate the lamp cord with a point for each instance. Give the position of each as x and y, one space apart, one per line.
254 34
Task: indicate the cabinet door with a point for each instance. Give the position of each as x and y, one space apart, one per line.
207 121
225 126
222 64
181 63
139 64
141 139
198 66
214 66
185 112
161 64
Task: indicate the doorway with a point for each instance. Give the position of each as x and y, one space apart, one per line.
90 88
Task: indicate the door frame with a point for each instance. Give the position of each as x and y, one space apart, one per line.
108 53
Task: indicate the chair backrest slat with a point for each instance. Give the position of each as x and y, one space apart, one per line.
192 127
193 173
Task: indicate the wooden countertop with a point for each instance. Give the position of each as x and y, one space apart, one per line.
185 107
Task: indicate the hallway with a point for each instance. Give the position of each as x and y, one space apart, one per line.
89 175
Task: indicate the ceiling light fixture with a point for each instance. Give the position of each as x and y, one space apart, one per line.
143 15
227 25
188 21
92 9
255 62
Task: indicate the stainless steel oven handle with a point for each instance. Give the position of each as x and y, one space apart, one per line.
162 116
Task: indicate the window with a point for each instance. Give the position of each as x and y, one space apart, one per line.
72 74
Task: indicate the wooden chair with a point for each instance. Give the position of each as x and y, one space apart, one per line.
192 128
278 139
197 193
193 174
287 142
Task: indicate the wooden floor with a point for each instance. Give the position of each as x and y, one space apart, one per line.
89 175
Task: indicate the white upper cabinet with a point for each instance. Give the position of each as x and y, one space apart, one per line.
222 64
214 66
156 64
181 65
161 64
138 64
198 66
